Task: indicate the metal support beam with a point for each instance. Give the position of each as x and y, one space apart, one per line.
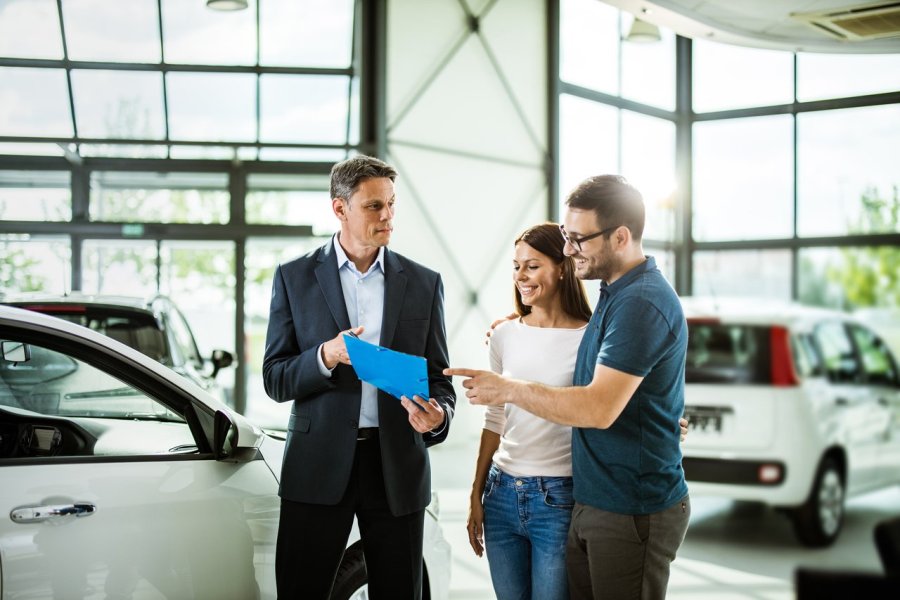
551 169
237 188
372 76
683 167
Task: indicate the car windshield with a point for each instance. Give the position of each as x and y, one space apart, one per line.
138 330
727 353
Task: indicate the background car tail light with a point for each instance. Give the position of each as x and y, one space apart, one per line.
769 473
55 308
782 366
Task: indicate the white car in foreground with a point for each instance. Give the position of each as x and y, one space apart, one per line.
120 478
791 406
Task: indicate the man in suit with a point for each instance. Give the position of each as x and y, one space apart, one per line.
352 449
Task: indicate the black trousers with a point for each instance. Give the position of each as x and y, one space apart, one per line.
312 538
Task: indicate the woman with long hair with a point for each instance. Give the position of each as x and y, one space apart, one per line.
521 502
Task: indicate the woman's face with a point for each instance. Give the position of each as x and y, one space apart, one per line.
536 276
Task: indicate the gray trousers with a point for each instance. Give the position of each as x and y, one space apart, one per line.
612 556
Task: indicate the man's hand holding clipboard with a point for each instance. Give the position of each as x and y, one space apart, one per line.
401 375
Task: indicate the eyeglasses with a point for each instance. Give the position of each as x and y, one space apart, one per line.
576 242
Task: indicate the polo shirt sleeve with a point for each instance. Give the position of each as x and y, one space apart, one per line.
637 337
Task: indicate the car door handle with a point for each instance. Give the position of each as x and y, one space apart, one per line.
883 401
36 514
841 402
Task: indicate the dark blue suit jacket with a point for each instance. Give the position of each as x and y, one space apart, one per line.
308 309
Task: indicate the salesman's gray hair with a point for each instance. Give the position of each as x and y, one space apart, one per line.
348 174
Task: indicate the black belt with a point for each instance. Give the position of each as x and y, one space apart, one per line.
367 433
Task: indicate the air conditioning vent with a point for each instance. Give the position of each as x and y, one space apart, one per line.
858 23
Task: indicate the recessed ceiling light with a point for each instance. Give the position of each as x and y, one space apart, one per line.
226 4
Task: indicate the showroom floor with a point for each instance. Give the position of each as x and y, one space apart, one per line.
732 551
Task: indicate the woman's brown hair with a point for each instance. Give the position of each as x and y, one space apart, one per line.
546 239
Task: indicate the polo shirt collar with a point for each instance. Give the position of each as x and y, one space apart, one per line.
628 277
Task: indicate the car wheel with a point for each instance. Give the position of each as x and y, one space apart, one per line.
818 521
352 580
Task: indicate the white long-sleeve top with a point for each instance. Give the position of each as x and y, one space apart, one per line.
531 446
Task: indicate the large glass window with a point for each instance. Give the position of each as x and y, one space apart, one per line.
118 104
262 256
852 277
194 34
743 178
589 45
199 277
30 29
122 267
648 69
291 200
728 77
35 264
743 273
588 141
847 170
289 37
35 196
112 31
823 76
648 162
304 108
35 102
159 197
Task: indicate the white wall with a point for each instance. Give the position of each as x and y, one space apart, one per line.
467 128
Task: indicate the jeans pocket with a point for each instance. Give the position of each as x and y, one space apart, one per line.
559 497
489 485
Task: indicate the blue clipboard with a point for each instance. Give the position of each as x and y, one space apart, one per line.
396 373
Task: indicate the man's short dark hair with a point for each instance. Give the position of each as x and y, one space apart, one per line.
348 174
613 200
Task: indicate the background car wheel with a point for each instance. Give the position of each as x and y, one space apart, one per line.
818 521
352 579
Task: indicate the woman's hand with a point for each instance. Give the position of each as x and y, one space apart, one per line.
475 524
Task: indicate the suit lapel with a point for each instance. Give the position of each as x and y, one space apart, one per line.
394 289
330 282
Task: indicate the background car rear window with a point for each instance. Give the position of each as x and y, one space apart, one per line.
725 353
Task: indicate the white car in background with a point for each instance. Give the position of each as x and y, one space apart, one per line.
152 325
120 478
792 406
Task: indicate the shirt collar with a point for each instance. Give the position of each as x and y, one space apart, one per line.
624 280
343 259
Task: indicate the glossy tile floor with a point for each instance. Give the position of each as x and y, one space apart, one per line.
732 551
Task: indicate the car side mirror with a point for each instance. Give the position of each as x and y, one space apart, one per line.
225 436
220 360
15 352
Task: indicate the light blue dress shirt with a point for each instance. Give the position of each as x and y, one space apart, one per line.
364 299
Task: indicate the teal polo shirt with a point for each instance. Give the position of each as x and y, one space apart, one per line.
634 466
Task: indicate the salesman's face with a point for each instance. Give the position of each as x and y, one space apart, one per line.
367 216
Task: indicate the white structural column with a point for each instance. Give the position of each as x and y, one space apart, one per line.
467 128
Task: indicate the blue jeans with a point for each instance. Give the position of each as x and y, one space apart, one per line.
526 524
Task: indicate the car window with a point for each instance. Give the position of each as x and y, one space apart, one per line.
727 353
183 339
806 359
876 359
838 355
136 330
54 404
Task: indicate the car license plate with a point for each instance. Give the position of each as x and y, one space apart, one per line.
708 419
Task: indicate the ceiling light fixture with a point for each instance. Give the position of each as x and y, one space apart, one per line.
642 31
226 4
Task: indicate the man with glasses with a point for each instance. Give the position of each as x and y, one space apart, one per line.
632 506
